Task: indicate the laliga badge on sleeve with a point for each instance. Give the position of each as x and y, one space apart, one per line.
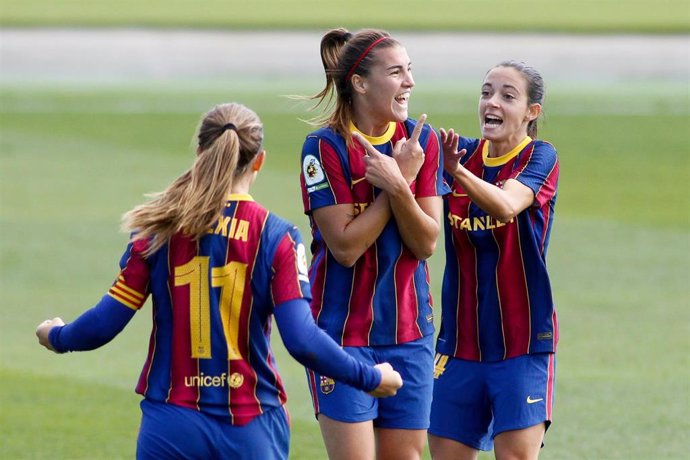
314 177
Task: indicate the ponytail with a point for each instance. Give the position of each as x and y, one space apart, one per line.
229 136
344 54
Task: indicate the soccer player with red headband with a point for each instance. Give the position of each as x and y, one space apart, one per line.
218 266
372 185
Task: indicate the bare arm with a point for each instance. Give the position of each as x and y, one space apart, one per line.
347 234
501 203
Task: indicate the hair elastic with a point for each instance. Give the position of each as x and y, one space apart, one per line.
364 54
229 126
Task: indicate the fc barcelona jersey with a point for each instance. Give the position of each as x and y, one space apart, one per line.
384 298
496 293
212 299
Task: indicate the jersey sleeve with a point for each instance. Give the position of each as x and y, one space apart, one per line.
539 170
316 350
470 145
429 180
322 177
100 324
290 279
131 288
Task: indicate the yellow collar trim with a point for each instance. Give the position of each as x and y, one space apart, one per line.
240 197
378 140
503 159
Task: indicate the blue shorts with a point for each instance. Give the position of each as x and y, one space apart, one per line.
175 432
475 401
408 409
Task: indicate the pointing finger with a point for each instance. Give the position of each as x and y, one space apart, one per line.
368 148
418 128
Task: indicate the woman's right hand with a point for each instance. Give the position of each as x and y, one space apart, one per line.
451 157
43 330
390 381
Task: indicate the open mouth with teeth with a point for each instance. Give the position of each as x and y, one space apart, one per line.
403 98
492 120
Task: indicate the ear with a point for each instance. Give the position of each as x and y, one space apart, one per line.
259 161
533 111
359 84
198 150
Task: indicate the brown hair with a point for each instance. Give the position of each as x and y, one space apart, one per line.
344 54
229 137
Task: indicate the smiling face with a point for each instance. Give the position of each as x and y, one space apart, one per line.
382 96
504 109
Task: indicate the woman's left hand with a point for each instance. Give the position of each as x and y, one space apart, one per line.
409 154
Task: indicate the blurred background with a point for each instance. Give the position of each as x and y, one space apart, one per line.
99 102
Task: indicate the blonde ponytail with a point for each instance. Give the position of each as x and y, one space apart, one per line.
229 137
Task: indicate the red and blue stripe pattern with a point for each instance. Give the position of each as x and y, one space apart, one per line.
213 300
497 300
384 298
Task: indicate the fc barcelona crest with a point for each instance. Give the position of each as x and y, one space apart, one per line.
327 385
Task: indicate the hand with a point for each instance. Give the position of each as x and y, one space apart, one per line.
43 330
451 156
409 154
382 171
390 381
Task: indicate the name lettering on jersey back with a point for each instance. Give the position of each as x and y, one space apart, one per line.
475 224
229 227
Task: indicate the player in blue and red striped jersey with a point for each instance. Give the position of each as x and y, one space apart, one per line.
218 266
372 182
495 368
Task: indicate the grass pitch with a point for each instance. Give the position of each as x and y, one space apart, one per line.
72 161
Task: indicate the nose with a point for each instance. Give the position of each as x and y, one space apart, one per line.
494 100
409 81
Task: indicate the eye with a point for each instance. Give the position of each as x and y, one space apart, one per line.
508 97
485 93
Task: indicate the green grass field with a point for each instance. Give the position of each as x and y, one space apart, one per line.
72 161
601 16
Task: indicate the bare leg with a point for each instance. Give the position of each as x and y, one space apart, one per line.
397 444
519 444
449 449
347 441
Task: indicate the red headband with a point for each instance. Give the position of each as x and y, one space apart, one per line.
364 54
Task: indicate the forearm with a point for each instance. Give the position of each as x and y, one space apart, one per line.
93 328
313 348
349 235
498 203
419 228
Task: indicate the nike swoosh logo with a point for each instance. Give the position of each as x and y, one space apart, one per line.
532 401
459 194
357 181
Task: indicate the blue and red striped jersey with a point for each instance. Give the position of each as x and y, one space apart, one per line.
496 294
213 299
384 298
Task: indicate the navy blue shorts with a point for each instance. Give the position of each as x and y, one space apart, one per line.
174 432
408 409
475 401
